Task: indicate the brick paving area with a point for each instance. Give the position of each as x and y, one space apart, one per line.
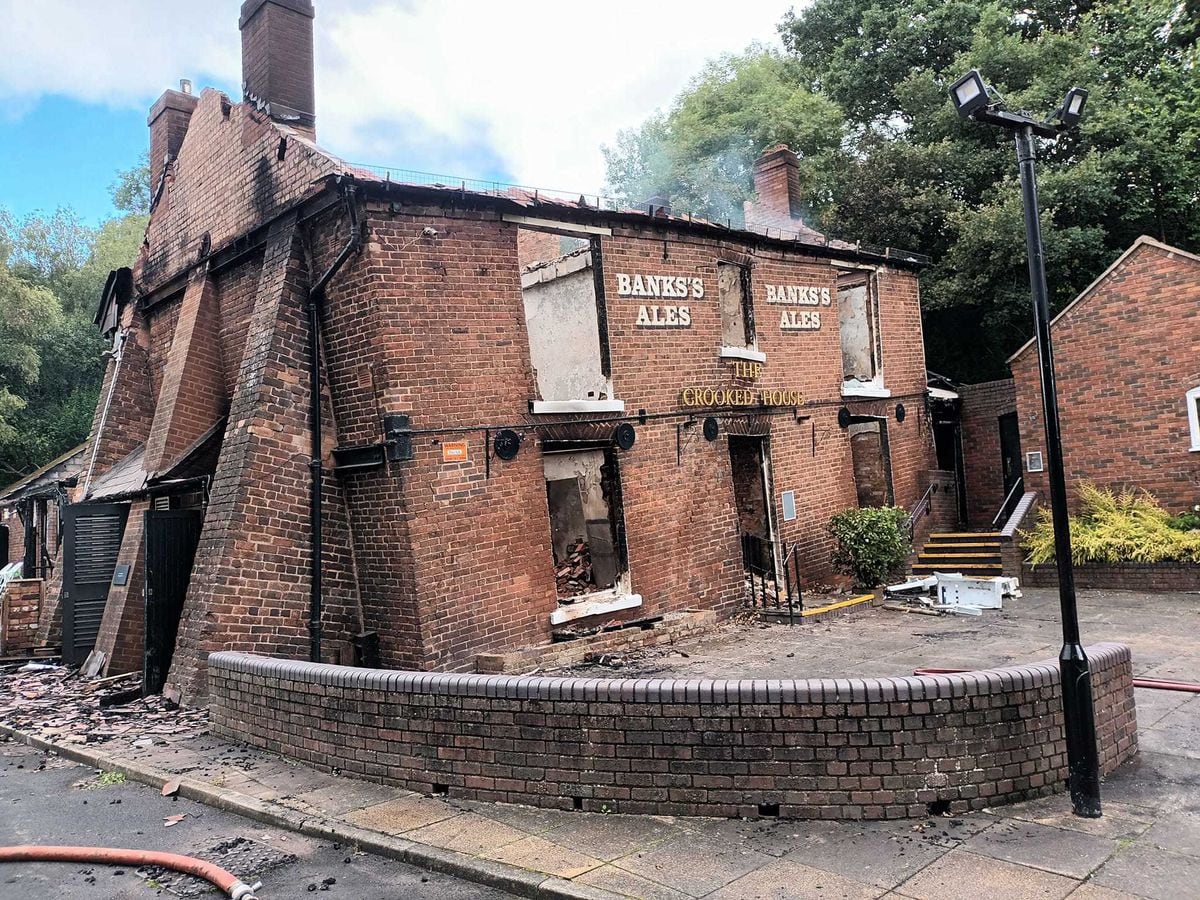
1147 844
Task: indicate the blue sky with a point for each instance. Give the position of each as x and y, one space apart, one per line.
524 91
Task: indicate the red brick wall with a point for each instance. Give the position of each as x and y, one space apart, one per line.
123 626
20 603
871 748
1124 358
16 535
250 584
461 551
982 405
227 180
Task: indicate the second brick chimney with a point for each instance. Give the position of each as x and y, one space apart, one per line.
168 121
780 203
277 60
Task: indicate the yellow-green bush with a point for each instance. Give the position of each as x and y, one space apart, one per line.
1115 527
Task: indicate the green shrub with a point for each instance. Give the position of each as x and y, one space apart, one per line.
1186 521
872 543
1112 527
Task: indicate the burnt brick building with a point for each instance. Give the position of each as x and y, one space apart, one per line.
531 412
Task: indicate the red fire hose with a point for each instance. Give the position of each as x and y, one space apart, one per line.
1153 684
233 886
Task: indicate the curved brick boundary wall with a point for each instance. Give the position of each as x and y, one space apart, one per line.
857 748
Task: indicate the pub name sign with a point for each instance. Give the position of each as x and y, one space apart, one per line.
679 315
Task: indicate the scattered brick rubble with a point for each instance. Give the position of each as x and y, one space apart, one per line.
56 703
574 574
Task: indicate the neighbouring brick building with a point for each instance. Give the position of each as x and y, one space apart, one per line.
1127 363
535 413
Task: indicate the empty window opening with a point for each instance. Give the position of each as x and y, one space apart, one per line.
872 462
564 315
582 489
749 463
737 313
858 323
1193 408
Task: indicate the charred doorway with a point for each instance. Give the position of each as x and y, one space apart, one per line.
92 535
750 463
1010 461
872 462
171 539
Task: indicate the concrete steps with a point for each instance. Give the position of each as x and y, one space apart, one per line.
968 552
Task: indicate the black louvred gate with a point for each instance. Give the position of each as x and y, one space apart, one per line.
171 539
91 541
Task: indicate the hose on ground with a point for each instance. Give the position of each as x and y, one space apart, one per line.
233 886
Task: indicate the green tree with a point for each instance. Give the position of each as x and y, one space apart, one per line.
901 169
701 152
52 272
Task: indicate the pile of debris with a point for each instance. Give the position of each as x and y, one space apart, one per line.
951 592
56 703
574 574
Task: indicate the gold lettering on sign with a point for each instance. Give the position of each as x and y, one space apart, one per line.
749 370
702 397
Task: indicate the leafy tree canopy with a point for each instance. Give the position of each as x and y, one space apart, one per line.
52 271
861 93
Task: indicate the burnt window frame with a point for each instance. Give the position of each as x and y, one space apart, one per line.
870 279
745 266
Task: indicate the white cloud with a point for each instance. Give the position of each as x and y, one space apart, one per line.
532 86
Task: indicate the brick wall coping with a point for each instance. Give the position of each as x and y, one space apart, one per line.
667 690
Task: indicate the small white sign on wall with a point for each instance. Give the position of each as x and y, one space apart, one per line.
788 501
1033 461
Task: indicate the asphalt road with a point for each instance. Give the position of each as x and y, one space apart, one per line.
47 800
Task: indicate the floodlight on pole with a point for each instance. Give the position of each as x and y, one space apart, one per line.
1072 108
1079 716
969 94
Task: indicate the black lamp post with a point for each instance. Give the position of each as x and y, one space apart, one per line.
970 96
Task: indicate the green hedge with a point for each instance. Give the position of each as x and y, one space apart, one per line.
873 543
1117 527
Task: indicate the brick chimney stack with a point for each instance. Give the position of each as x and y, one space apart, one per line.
277 60
168 121
780 203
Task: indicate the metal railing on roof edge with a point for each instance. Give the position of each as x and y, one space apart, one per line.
501 189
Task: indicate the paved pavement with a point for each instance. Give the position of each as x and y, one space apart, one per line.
1147 845
1162 629
49 800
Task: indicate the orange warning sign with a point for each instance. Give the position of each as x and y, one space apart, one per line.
455 451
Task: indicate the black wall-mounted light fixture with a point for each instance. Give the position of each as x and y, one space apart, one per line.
624 436
711 428
507 444
901 412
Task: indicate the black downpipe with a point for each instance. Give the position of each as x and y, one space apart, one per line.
316 296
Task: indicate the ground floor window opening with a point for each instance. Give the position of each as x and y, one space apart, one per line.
586 530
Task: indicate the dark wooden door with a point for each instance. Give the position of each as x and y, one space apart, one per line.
92 535
1010 450
171 539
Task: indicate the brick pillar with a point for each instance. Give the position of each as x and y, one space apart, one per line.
123 627
250 588
192 398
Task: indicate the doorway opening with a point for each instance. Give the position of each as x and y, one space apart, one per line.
1010 461
750 463
171 537
872 462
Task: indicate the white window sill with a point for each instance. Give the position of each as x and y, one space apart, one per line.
743 353
875 391
545 407
594 605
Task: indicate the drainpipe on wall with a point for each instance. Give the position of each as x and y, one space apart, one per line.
316 296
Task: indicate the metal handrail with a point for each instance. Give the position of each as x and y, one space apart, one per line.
764 577
1004 507
924 505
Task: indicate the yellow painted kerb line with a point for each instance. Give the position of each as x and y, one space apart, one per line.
841 604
